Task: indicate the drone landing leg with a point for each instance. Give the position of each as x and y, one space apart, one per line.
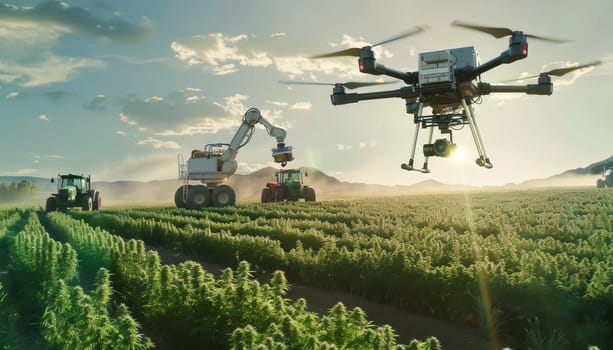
425 168
409 165
483 160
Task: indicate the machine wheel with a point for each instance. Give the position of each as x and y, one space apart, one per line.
87 203
198 197
97 204
179 196
50 205
600 183
222 196
266 195
309 194
279 194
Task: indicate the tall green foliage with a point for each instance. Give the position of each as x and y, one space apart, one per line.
495 259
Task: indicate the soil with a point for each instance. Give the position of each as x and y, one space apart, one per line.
407 325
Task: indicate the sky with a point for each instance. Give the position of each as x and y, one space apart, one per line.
118 89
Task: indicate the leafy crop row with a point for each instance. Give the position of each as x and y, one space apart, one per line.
43 273
186 304
499 260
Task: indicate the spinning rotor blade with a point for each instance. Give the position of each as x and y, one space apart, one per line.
561 71
355 51
408 33
500 32
558 72
349 85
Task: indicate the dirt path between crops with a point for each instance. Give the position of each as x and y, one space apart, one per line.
408 326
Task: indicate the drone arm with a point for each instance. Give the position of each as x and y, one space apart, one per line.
542 88
340 97
407 77
518 49
367 64
491 64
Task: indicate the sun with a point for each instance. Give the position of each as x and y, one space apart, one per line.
459 155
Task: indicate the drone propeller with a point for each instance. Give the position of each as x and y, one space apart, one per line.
349 85
558 72
500 32
355 51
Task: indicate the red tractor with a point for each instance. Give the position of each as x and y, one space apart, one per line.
289 187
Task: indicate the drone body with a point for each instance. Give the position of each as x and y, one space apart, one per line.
447 81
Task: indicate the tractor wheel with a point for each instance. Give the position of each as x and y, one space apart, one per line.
97 204
222 196
266 195
279 194
87 203
600 183
198 197
179 202
50 205
309 194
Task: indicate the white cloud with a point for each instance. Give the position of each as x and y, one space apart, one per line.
342 147
25 171
157 144
301 105
225 69
224 55
183 114
154 99
43 117
362 145
60 17
194 99
33 44
124 118
12 95
278 103
56 156
28 36
121 132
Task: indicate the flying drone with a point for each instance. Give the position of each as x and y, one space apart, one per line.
447 81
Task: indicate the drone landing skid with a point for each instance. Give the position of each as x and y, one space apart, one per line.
444 122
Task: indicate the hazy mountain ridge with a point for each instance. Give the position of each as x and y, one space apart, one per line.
248 187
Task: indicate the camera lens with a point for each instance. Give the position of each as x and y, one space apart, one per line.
440 148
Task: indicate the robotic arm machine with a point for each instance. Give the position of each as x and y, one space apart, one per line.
217 162
281 154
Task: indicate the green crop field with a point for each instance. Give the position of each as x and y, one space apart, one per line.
529 269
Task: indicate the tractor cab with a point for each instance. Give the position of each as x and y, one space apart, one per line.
291 178
71 186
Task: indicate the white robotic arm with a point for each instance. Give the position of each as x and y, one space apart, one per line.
217 162
281 154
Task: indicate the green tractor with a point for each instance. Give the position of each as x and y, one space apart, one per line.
289 187
73 191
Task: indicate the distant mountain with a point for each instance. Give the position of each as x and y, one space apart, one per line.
594 168
578 177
